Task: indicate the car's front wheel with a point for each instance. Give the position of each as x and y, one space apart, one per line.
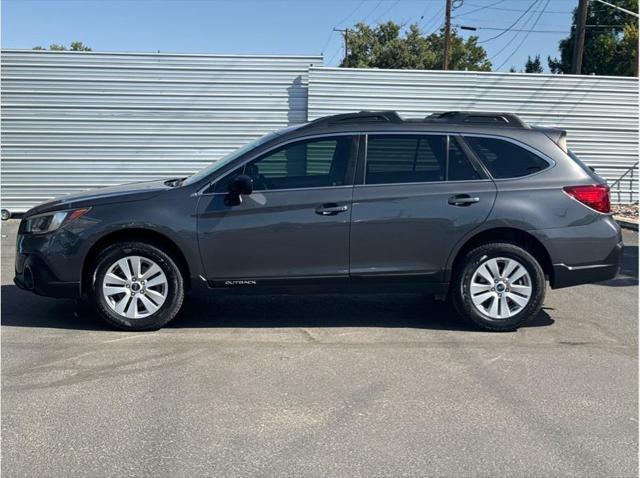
498 286
137 286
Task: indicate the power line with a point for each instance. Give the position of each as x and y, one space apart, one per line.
351 14
326 43
526 36
333 56
511 9
483 7
519 30
424 11
432 22
513 38
386 11
512 25
493 26
371 12
619 8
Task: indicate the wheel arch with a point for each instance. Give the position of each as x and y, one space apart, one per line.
517 237
147 236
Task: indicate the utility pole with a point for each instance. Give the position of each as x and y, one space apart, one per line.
578 45
345 34
447 36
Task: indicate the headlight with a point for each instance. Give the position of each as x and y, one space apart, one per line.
51 221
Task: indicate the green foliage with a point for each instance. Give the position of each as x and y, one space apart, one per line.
607 51
78 46
384 46
533 65
75 46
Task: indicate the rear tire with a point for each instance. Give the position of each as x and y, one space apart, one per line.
498 286
137 286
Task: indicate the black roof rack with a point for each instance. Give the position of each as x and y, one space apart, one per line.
450 117
478 117
359 117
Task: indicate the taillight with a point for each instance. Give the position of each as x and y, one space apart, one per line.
595 196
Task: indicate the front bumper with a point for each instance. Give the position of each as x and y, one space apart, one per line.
34 275
567 276
47 264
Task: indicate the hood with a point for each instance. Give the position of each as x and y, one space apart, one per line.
108 195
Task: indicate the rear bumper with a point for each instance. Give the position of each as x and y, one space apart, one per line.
565 275
33 275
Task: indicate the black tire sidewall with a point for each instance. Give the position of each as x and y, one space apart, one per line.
175 294
462 281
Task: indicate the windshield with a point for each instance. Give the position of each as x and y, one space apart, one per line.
227 159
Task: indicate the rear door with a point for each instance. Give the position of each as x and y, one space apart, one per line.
295 224
418 195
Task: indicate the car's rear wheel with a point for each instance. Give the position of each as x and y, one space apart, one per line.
137 286
498 286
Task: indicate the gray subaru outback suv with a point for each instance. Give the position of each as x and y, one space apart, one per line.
479 208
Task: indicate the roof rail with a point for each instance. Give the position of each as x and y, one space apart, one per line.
478 117
359 117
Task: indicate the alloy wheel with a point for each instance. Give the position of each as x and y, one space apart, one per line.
500 287
135 287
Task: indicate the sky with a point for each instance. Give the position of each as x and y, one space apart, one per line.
277 26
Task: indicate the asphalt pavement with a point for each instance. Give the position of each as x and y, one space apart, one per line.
357 386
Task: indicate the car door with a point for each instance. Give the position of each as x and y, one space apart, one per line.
418 195
295 224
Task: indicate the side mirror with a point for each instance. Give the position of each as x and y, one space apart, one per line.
238 186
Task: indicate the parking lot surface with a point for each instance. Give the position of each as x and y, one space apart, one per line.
385 385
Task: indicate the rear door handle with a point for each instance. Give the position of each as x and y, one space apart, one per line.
331 209
463 200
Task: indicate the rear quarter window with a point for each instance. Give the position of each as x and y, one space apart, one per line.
504 159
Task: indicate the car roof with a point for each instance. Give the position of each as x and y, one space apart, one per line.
461 122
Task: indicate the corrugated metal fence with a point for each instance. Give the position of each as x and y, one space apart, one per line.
599 113
73 121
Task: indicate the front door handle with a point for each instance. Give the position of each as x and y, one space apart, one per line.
463 200
331 209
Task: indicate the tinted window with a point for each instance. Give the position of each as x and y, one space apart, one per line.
504 159
315 163
415 158
460 168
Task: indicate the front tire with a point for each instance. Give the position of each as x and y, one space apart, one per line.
498 286
137 286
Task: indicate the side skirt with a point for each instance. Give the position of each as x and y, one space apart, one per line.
327 285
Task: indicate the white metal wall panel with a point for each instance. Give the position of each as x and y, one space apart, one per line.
74 120
599 113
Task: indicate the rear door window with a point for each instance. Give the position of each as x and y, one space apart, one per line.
393 159
505 159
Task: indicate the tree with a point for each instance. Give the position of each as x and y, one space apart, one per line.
75 46
78 46
607 50
533 65
383 46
